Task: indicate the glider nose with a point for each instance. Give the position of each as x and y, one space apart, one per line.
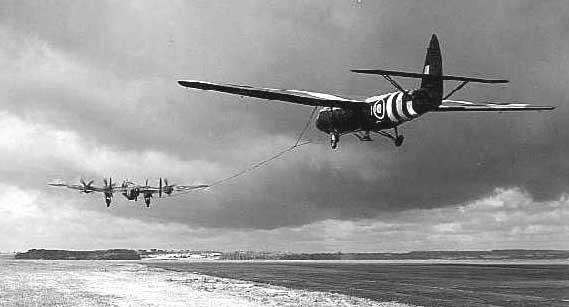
323 122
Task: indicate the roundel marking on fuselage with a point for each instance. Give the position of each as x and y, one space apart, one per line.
379 109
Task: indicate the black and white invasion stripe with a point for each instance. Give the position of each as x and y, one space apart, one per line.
395 106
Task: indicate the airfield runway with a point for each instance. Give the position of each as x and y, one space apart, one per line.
177 283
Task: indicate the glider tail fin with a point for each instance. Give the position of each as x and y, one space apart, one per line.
433 66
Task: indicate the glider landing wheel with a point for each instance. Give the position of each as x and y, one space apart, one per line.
399 140
334 139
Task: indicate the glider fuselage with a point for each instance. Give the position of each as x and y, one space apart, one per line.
383 112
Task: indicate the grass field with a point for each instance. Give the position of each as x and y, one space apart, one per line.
99 283
420 284
130 283
314 284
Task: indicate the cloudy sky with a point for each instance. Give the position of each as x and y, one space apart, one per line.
89 89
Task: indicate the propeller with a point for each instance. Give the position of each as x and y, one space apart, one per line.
86 185
109 184
168 189
160 188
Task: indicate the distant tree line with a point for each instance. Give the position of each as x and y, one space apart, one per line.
518 254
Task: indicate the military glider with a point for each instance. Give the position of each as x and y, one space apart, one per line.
340 116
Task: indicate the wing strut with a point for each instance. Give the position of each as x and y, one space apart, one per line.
456 89
394 83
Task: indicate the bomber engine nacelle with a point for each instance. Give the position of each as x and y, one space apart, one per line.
108 198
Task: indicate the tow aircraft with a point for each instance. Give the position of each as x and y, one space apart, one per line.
132 190
128 189
339 116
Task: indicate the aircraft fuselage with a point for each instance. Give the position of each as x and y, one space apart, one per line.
131 194
383 112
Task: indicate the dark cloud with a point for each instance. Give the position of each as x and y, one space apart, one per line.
107 71
508 218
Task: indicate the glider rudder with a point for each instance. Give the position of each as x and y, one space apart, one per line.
434 67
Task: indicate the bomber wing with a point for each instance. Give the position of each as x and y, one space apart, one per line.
144 189
177 188
78 187
458 105
173 188
69 186
181 188
294 96
88 188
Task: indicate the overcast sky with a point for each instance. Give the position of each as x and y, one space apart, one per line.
89 89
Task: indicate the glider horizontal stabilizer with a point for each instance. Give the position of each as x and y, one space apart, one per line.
420 76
